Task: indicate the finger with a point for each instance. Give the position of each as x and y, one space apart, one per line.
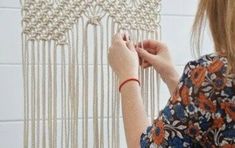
117 37
146 65
130 45
148 44
149 50
151 44
146 55
145 62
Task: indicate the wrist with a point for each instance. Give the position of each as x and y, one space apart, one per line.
172 80
126 77
128 82
172 83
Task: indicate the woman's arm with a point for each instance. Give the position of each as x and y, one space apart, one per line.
134 115
124 61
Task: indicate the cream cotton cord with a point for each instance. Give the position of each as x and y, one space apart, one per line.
71 96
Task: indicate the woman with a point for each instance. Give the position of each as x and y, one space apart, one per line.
201 110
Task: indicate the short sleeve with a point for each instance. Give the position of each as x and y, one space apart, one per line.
181 123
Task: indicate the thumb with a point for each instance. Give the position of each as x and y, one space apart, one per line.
130 45
145 55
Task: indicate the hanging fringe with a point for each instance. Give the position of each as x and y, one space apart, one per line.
70 93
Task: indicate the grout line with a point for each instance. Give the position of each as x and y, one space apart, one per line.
19 64
58 119
11 120
178 15
14 64
11 8
21 120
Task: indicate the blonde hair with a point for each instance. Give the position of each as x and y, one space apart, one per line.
220 14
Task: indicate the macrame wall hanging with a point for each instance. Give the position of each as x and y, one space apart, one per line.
71 97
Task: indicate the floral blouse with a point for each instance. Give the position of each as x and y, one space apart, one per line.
201 113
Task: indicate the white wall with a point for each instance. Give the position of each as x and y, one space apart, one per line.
177 17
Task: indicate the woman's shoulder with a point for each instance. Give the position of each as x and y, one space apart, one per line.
208 70
208 64
209 74
208 60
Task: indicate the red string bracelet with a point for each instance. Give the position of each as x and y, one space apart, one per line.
131 79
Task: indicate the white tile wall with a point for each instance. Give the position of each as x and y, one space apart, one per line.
10 3
177 18
179 7
10 36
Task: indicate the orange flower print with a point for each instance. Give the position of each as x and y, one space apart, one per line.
193 130
215 66
198 75
185 95
206 104
219 83
158 133
218 122
228 146
229 109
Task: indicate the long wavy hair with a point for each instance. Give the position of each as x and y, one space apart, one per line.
220 16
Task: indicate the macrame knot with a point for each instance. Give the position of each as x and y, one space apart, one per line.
95 20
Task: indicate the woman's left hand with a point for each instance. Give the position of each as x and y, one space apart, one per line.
123 58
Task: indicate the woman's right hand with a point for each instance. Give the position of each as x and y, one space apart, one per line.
156 54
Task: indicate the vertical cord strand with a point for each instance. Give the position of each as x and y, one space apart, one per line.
102 87
108 83
44 94
113 97
54 95
85 88
62 98
26 89
33 132
38 93
95 92
49 96
77 86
